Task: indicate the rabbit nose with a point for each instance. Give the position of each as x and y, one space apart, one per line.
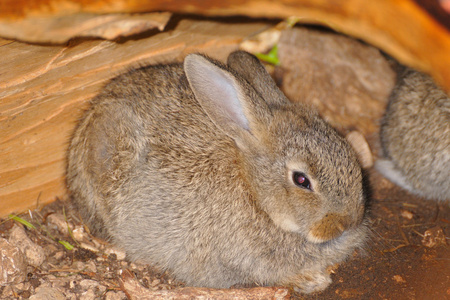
329 227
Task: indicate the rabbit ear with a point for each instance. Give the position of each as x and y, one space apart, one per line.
228 101
252 70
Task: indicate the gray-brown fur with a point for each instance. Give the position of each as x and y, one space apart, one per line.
415 136
182 184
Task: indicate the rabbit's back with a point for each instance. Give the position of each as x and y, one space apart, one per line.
144 123
156 161
416 135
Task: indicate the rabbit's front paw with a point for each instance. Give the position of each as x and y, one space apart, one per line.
311 282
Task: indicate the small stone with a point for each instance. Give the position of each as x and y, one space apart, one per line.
35 282
88 283
88 295
71 296
137 266
111 295
45 283
79 234
406 214
79 265
19 286
102 289
7 293
13 265
47 293
34 254
120 254
91 267
26 286
434 237
25 294
51 277
58 255
58 222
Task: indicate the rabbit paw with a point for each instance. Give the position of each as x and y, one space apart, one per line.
311 282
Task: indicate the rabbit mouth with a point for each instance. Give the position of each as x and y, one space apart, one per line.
328 228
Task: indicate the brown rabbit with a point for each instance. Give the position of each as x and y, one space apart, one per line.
208 171
415 136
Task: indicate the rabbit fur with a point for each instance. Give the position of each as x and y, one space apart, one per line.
415 136
191 168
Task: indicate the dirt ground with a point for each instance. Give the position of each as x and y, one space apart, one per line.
400 261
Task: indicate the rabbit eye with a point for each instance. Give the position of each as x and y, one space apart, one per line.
301 180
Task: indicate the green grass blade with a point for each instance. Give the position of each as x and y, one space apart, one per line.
66 245
22 221
271 57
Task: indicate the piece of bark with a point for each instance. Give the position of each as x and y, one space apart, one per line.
44 90
135 291
347 81
60 29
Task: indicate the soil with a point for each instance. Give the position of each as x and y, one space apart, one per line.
398 262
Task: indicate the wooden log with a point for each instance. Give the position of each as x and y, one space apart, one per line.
402 28
44 89
136 291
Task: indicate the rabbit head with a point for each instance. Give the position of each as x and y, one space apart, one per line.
302 174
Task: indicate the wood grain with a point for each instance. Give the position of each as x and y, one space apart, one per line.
44 89
401 28
60 29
